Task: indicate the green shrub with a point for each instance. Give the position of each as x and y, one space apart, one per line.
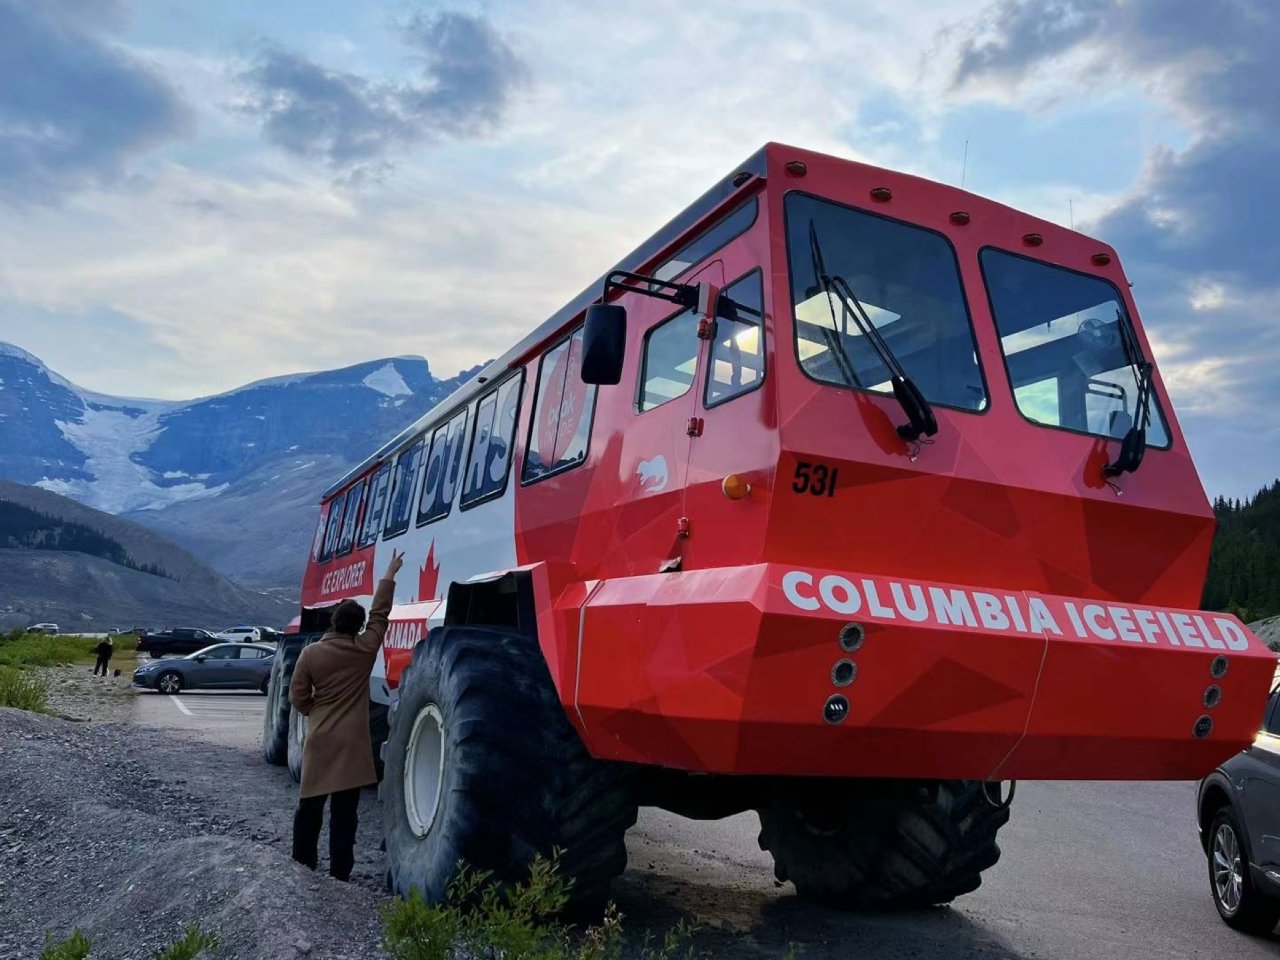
194 942
21 649
489 920
25 691
75 947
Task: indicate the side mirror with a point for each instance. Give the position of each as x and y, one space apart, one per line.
604 343
201 659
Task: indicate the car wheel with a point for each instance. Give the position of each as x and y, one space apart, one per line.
1238 901
169 682
153 654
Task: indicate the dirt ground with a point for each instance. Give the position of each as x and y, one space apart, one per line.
132 833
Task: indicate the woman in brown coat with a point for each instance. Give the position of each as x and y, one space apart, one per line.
331 688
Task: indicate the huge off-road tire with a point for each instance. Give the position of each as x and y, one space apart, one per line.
882 845
483 768
275 718
379 727
297 741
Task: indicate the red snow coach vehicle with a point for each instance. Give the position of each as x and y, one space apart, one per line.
845 498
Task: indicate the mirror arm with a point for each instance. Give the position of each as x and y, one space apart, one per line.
683 294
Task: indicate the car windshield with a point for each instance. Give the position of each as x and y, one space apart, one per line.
907 281
1064 337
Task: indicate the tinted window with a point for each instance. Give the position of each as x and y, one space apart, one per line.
491 442
333 529
221 653
350 515
377 502
444 464
406 479
1064 337
907 282
708 242
560 430
1272 725
737 353
670 360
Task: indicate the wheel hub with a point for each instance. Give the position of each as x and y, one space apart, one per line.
424 769
1228 868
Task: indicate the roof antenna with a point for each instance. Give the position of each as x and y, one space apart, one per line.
964 164
1071 212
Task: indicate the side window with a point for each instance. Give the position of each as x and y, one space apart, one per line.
444 464
377 501
737 353
333 529
669 361
560 431
322 524
1272 724
251 653
354 499
406 479
222 653
491 442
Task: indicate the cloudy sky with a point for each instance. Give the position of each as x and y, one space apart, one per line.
194 194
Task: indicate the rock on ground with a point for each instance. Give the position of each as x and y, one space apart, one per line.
99 829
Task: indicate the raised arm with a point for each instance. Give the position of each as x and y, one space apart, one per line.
301 691
380 611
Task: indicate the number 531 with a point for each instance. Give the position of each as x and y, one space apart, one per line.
815 478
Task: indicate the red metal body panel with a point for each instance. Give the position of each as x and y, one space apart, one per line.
710 666
727 670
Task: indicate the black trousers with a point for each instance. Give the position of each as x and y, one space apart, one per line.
343 816
101 665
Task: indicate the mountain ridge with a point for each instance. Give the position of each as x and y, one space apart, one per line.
202 471
65 562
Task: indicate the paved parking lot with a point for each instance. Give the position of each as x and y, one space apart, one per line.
1090 871
231 717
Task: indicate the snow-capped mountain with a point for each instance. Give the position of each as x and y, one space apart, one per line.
234 477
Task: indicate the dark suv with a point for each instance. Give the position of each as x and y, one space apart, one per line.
179 640
1239 815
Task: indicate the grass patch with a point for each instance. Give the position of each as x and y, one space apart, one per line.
487 919
25 691
22 649
194 943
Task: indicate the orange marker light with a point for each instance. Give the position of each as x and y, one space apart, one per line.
735 488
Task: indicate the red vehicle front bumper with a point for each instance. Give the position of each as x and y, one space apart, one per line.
731 670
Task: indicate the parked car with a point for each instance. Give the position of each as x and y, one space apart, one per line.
1239 817
178 640
227 666
48 628
245 634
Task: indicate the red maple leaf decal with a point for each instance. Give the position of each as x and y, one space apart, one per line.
429 575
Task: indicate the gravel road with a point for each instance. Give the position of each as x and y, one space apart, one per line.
198 828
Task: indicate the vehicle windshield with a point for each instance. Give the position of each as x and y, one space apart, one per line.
1064 347
907 280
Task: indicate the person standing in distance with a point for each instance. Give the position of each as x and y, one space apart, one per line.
330 688
104 649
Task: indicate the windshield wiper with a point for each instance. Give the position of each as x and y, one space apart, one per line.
1134 444
920 418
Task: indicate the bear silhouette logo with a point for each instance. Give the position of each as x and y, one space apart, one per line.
653 474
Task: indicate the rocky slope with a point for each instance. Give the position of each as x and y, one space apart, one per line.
83 569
